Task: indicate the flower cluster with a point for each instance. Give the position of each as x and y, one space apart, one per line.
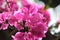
31 20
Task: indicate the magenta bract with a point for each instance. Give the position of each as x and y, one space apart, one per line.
31 20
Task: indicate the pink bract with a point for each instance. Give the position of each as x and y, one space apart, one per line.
36 22
11 6
24 36
31 20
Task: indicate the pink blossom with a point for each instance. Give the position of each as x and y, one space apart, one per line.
25 2
39 29
33 8
31 20
1 2
11 0
12 20
1 9
3 26
18 26
18 36
19 16
3 18
46 16
24 36
11 6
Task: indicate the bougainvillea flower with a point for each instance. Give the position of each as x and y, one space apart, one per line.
1 2
30 20
39 29
11 0
33 20
3 26
34 23
24 36
18 36
25 2
12 20
3 17
11 6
